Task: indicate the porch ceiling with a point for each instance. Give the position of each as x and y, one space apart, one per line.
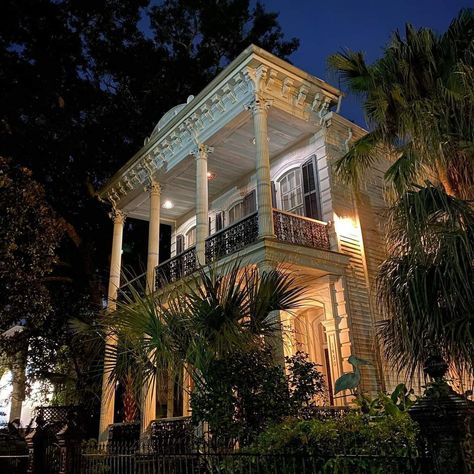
232 160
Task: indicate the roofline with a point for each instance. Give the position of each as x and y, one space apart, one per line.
229 69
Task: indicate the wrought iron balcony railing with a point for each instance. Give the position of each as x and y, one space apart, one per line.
233 238
288 227
177 267
300 230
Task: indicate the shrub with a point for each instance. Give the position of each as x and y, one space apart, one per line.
244 394
353 434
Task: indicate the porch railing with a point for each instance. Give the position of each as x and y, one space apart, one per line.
300 230
177 267
288 227
233 238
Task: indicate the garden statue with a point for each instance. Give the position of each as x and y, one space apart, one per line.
350 380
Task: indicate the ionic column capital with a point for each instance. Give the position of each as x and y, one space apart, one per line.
202 151
118 216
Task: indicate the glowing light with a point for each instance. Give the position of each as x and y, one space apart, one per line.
346 226
168 205
211 175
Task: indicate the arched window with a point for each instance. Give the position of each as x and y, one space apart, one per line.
291 191
191 237
236 212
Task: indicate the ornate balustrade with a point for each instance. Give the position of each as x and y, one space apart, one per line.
232 238
300 230
288 227
177 267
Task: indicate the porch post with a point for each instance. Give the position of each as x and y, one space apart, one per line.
202 202
336 326
149 392
153 235
108 390
259 108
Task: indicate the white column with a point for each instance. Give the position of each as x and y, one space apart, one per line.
259 108
202 202
153 235
149 392
108 389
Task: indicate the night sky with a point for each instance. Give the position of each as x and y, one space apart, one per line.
325 27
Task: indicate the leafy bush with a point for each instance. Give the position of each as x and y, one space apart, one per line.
244 394
395 404
353 434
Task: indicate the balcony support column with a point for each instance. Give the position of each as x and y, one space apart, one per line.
259 108
202 202
107 405
154 190
149 392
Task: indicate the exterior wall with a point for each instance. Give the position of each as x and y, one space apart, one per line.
360 238
357 233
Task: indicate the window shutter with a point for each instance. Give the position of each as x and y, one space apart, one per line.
274 195
209 231
250 203
219 221
179 244
312 206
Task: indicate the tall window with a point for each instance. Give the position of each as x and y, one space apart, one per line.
312 203
291 191
243 208
179 244
191 237
236 212
219 221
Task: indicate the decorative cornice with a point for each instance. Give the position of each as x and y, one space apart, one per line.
118 216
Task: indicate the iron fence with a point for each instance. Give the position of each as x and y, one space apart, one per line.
137 460
13 463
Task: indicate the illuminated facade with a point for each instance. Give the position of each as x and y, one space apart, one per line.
244 170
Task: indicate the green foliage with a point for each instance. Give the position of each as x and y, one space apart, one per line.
243 394
75 76
426 286
199 323
395 405
419 101
30 234
353 434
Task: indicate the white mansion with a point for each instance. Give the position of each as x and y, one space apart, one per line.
244 170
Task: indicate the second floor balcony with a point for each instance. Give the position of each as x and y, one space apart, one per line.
234 239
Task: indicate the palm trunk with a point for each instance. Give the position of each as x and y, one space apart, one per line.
130 408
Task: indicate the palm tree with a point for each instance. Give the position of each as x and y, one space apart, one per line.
211 315
419 103
426 286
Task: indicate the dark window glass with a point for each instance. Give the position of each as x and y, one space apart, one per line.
250 203
179 244
312 205
274 195
219 221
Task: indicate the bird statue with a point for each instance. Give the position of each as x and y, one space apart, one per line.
350 380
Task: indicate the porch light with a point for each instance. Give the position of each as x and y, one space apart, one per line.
167 205
211 175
